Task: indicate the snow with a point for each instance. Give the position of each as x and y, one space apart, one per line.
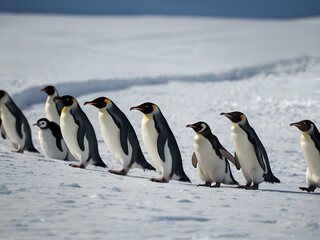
193 69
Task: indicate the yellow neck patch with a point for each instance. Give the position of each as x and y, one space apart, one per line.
242 116
107 100
305 134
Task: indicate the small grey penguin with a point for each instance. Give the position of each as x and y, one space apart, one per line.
14 125
119 136
310 145
51 141
161 144
78 133
250 153
53 109
210 157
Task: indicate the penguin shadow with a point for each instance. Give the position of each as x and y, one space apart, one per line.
291 192
120 177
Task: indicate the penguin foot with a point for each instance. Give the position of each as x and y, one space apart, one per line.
242 186
19 150
253 187
78 165
308 189
206 184
118 172
217 185
162 180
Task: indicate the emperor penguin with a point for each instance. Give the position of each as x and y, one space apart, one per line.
119 136
161 144
53 109
51 141
250 153
14 125
78 133
310 145
210 157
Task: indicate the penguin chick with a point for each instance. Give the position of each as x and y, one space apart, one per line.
161 144
210 157
53 109
250 152
51 141
78 133
14 125
310 145
119 136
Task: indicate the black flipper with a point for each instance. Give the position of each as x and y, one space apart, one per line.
165 134
194 160
124 131
86 130
260 153
56 132
82 129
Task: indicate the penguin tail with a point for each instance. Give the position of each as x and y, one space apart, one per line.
32 149
148 166
143 162
269 177
100 164
184 178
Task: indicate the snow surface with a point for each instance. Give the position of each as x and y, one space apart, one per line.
193 69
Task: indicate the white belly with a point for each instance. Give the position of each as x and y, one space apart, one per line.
246 154
210 167
312 157
69 130
9 124
51 110
49 146
150 137
111 136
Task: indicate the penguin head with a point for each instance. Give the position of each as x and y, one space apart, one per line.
200 127
304 125
235 117
145 108
100 102
50 90
42 123
4 97
67 100
2 94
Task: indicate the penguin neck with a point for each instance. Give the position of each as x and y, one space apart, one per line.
4 100
66 110
103 111
235 125
304 134
147 117
51 97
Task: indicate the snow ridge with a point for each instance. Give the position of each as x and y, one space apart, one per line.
31 96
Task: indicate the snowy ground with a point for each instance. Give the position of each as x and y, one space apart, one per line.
194 69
